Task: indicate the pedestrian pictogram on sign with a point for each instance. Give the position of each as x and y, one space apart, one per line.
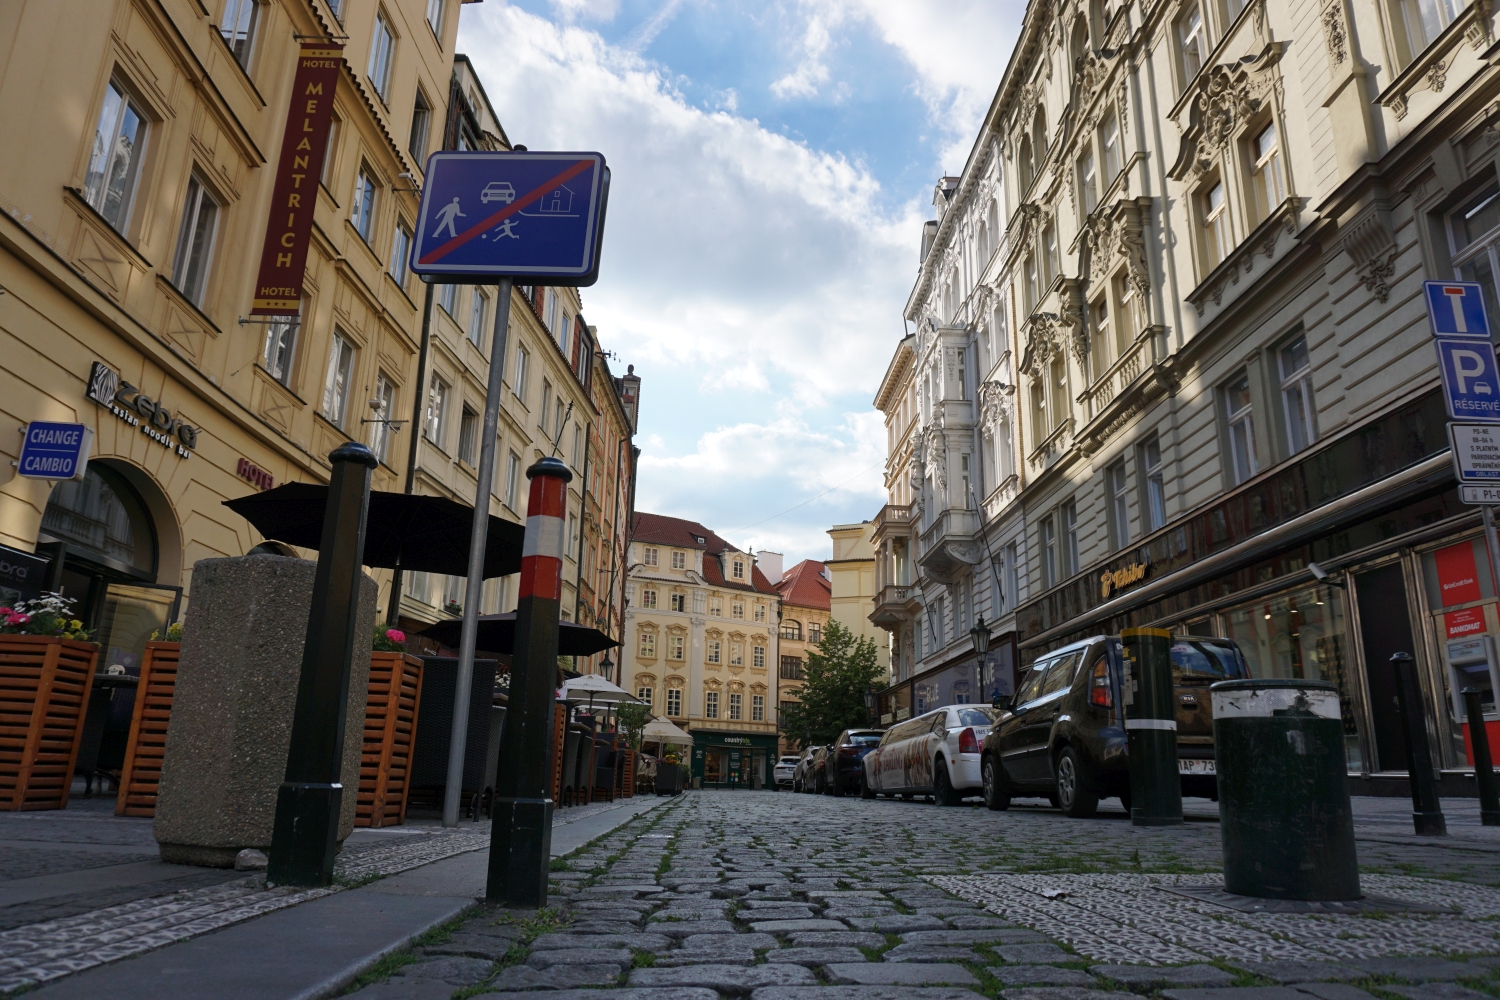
1471 378
1456 309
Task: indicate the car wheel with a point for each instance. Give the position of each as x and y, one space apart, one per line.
1075 791
996 795
821 787
796 785
864 788
944 794
831 786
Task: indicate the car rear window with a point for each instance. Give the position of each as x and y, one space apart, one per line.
974 717
865 739
1207 658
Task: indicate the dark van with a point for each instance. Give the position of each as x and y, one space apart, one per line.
1062 735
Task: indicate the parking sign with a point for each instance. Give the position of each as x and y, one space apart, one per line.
1471 379
1456 309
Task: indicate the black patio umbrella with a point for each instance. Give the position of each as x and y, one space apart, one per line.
497 634
418 533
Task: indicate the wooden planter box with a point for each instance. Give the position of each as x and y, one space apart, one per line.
390 731
627 779
141 774
44 696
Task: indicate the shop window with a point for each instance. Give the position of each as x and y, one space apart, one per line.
1117 489
674 702
1214 211
195 241
1192 43
679 560
362 212
1153 484
736 706
468 437
400 252
119 143
237 27
478 310
382 54
711 704
1266 181
1473 234
421 126
649 555
336 385
103 518
436 424
1243 461
757 708
281 343
380 426
1297 394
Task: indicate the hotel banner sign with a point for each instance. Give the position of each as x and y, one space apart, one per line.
283 259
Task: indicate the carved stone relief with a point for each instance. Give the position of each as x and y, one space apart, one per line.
1371 246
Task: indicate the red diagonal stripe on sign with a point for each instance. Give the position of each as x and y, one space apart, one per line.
509 210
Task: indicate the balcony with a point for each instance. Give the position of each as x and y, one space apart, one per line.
892 519
949 545
1139 377
895 604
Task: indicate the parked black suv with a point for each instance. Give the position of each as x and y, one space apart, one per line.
1062 735
843 765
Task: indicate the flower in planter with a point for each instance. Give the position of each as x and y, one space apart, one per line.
453 608
174 633
389 640
49 615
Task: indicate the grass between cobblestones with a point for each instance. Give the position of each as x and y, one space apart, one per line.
390 964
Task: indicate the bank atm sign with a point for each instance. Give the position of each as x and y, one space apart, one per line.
55 451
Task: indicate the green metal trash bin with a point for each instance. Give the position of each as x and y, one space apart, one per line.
1284 813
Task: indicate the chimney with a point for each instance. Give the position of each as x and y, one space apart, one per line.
770 564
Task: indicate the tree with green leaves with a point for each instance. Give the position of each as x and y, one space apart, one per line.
631 717
838 674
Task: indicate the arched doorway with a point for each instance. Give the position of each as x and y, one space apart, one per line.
104 546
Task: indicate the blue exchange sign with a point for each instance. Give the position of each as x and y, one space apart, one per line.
491 215
1456 309
55 451
1471 379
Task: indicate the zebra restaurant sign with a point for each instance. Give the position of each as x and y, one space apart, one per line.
137 409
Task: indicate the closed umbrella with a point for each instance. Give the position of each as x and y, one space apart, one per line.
416 533
497 634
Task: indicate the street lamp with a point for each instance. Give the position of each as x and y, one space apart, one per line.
870 700
980 634
606 665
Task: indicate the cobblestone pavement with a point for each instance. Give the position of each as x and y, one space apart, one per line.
726 895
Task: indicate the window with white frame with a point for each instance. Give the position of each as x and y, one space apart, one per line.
758 656
385 408
674 702
1099 317
736 706
1110 148
419 586
195 241
447 299
336 385
400 251
1295 369
468 437
737 610
716 607
1088 181
281 344
523 361
421 127
645 694
1426 19
362 212
736 654
760 612
1013 573
330 146
478 310
1265 171
1192 43
739 569
437 410
757 708
712 650
1474 242
512 479
1069 516
546 407
382 54
679 559
1241 426
1117 489
1049 255
648 598
710 704
1153 483
435 17
679 602
119 145
650 555
237 26
647 645
1215 209
1049 552
676 644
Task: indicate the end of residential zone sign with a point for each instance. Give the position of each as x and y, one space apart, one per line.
492 215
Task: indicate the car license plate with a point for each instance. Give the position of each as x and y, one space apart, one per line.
1195 766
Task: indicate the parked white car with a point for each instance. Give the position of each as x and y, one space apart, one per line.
785 767
936 754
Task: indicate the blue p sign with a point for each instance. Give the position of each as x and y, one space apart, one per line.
1471 379
1456 309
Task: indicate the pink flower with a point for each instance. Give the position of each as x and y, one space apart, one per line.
395 635
16 618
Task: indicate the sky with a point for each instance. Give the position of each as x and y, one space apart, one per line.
772 163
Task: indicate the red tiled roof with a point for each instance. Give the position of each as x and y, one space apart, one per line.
805 586
684 534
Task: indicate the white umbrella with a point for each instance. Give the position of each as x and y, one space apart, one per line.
592 687
662 731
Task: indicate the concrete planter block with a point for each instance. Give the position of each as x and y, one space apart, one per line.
232 712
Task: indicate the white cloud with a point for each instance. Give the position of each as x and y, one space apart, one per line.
811 73
586 10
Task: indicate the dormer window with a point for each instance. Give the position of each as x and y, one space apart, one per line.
739 569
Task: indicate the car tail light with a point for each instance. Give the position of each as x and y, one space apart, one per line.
968 742
847 751
1099 691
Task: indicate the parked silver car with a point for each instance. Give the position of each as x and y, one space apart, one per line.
935 754
785 770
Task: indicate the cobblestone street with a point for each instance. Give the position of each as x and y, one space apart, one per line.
783 897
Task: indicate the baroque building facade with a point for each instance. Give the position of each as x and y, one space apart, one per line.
1174 304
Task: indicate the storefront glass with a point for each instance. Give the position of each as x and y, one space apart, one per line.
957 685
100 516
1461 600
1300 635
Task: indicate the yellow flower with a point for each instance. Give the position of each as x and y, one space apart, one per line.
75 624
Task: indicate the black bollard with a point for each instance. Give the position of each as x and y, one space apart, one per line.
305 835
1484 768
1426 811
1151 728
521 831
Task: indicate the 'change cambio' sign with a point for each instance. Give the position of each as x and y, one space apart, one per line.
55 451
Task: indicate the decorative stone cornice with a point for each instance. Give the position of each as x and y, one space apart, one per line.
1218 103
1370 242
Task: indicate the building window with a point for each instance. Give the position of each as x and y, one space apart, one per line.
1109 145
758 656
1088 182
1215 225
546 406
1472 235
649 555
119 141
1193 43
737 610
281 342
739 569
645 694
437 410
716 607
1033 283
1049 552
419 587
468 437
1297 394
791 668
815 632
679 602
648 598
382 52
1013 572
760 612
330 146
362 214
1103 339
674 702
336 385
711 651
1155 487
736 654
238 28
675 645
477 311
679 558
1119 503
435 17
791 629
523 359
648 644
711 704
400 251
421 126
512 478
1049 253
1265 171
757 708
1426 19
380 428
195 243
447 299
736 706
1038 412
1237 412
1069 515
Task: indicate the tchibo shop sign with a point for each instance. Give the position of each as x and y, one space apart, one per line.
137 409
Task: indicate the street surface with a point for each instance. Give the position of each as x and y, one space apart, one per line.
802 897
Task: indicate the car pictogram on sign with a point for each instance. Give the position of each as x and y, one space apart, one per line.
500 191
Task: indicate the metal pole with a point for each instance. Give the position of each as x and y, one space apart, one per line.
521 831
1492 542
1151 728
1426 811
478 536
393 608
1484 768
304 837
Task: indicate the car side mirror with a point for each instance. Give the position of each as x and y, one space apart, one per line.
1002 702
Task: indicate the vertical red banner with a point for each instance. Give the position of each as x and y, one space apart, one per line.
283 259
1458 577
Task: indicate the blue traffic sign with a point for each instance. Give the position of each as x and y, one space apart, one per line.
491 215
1456 309
55 451
1471 379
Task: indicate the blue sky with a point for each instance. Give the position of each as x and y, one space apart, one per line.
772 164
